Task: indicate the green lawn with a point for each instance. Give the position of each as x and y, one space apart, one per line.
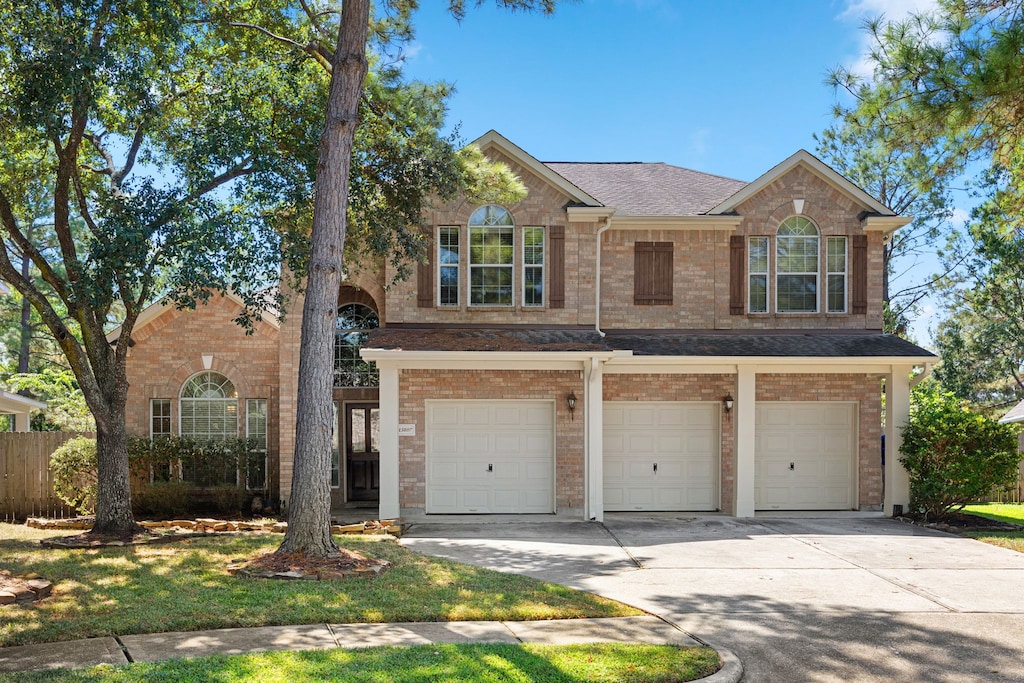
434 663
183 586
1002 512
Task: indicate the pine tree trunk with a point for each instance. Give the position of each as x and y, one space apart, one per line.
309 508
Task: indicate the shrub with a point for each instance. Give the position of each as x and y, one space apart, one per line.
228 500
953 455
167 499
73 466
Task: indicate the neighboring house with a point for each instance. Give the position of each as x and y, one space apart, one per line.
631 336
20 409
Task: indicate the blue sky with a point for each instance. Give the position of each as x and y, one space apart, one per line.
730 87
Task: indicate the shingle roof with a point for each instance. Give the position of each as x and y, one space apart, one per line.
453 339
820 344
649 189
802 345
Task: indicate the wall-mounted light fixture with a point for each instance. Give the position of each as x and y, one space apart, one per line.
727 402
571 400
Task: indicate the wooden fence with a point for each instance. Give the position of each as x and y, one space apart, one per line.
26 486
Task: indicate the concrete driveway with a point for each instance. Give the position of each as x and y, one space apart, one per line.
796 599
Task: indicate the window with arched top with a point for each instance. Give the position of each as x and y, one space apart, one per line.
796 262
351 330
491 257
209 407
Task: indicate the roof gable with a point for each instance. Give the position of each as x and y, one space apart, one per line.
155 310
494 139
804 159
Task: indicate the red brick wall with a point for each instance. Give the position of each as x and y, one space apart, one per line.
417 386
169 350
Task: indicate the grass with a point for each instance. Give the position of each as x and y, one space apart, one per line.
1001 512
480 663
183 586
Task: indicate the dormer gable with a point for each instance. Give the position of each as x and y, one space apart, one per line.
873 214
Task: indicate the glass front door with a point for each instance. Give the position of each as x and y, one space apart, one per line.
362 451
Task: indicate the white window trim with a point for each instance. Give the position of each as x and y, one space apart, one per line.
816 273
543 266
170 420
766 273
845 273
338 437
457 266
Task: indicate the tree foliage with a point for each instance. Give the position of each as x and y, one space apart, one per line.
899 177
164 152
954 455
953 80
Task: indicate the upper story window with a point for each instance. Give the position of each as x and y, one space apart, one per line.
757 274
533 266
836 268
448 265
491 255
209 407
351 329
797 255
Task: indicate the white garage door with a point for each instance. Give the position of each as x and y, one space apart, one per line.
804 456
490 456
661 456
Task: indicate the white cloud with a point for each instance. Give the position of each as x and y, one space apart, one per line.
699 141
892 9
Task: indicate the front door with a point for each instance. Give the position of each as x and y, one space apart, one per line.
362 451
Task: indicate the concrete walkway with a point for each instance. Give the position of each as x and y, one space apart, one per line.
233 641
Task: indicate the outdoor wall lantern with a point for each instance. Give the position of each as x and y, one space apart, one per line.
727 401
571 400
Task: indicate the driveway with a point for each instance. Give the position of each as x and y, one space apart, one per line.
796 599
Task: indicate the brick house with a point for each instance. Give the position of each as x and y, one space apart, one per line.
631 336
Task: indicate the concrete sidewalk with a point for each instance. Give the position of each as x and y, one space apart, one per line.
233 641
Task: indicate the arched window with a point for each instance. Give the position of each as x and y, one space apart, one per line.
351 329
797 254
209 407
491 257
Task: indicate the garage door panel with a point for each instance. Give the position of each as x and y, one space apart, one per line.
681 437
490 456
818 439
673 443
642 443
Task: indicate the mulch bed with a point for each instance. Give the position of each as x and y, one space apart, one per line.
343 564
957 522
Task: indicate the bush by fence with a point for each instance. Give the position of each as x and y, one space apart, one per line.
26 483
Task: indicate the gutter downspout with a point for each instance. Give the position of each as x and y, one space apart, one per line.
597 277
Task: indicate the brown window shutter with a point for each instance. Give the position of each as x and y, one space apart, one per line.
425 295
556 261
737 271
652 273
859 274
